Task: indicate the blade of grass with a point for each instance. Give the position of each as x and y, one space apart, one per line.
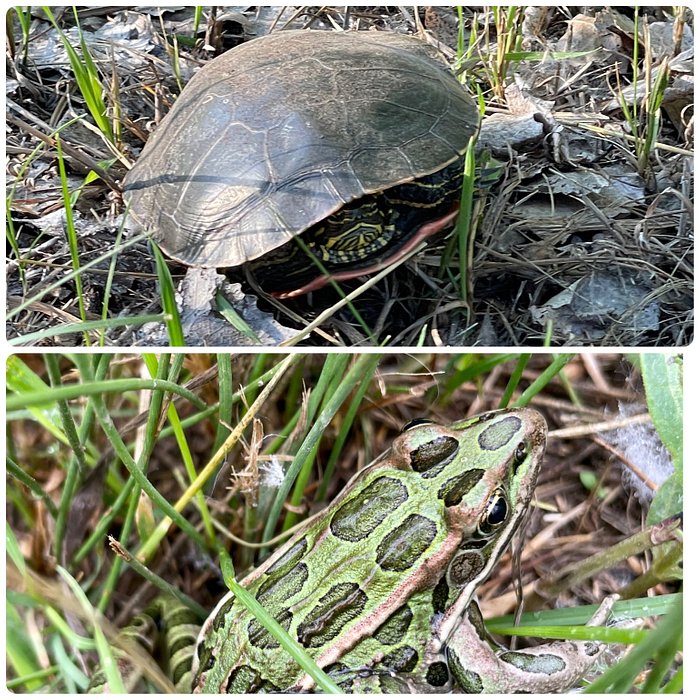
362 365
104 523
348 420
71 233
224 307
159 583
86 76
16 472
331 375
291 646
21 380
466 228
620 678
108 664
275 376
76 466
557 364
469 366
152 364
225 375
167 295
83 327
75 391
515 377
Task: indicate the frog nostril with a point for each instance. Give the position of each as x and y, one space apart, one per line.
519 456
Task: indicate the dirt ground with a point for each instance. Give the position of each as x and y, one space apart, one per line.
581 228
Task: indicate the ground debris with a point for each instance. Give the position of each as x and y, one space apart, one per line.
567 194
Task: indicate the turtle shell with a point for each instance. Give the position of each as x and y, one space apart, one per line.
280 132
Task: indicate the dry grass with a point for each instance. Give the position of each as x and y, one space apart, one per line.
578 201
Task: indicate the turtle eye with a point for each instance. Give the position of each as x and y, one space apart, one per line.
416 421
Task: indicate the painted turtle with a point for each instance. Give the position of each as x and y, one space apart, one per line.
351 142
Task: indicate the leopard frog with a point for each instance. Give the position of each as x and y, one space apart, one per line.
379 587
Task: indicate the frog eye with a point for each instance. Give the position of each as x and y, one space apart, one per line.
416 421
496 513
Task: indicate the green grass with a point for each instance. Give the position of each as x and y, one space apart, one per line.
142 448
93 87
87 76
642 112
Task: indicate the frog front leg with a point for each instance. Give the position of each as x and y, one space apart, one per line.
553 666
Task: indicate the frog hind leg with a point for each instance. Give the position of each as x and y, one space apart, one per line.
180 631
165 620
554 666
